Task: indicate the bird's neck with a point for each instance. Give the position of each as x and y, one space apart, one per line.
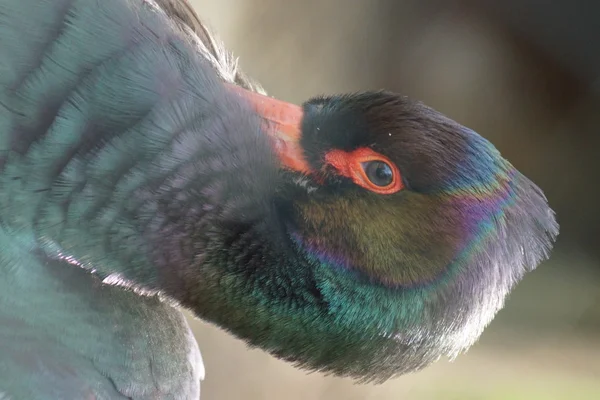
193 266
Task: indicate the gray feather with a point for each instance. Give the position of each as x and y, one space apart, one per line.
74 75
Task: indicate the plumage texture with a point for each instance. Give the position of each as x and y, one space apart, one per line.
90 93
132 179
382 285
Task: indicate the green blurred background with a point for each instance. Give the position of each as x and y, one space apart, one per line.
523 74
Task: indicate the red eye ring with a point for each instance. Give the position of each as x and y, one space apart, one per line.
352 165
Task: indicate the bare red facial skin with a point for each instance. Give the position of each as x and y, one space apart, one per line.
351 165
283 125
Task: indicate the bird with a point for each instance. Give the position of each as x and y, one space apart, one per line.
362 235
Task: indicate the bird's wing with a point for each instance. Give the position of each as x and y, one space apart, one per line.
65 335
74 74
36 369
71 73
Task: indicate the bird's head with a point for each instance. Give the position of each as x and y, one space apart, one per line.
403 234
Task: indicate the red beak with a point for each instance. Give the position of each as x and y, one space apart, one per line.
283 124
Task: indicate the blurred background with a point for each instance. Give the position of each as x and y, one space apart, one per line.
523 73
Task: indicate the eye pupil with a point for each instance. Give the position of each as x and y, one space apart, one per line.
379 173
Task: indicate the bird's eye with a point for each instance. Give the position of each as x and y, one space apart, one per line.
367 168
379 173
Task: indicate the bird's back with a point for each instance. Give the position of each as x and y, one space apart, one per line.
63 333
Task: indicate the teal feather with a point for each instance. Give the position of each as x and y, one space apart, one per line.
131 181
65 66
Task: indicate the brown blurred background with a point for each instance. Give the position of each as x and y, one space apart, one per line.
524 74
